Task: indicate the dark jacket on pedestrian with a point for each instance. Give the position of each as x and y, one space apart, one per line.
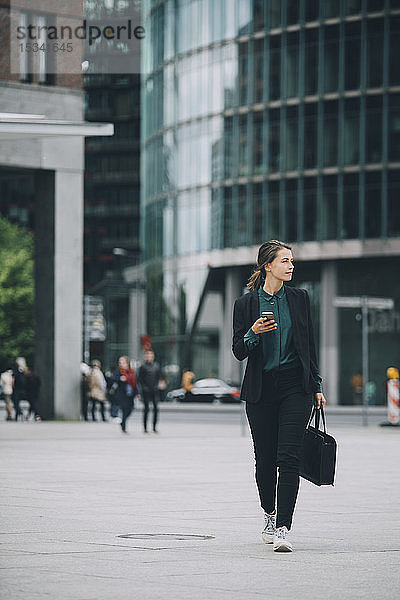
124 389
246 312
148 377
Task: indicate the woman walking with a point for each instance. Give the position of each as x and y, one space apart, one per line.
97 389
281 382
125 387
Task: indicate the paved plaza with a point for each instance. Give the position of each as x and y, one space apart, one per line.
90 514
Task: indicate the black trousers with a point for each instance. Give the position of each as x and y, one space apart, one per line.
277 423
126 404
150 397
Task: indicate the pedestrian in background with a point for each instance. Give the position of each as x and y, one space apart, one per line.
85 371
148 377
33 384
281 382
19 386
125 389
110 392
97 386
6 382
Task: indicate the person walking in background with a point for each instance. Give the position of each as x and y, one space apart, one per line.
97 385
85 371
281 382
149 377
33 384
6 383
19 386
125 389
110 392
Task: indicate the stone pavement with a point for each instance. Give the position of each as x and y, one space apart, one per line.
187 501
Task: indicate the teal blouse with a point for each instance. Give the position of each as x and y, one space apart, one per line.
278 347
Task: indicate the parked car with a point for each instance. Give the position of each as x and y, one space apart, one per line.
207 390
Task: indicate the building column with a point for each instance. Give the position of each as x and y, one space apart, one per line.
58 294
329 363
229 367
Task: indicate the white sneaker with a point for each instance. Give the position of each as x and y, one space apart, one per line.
269 528
281 543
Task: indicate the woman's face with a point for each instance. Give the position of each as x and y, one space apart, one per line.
282 266
123 363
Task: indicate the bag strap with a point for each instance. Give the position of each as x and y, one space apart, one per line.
316 413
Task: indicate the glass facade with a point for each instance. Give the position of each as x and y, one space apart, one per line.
263 120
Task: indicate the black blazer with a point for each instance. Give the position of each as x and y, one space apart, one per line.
245 312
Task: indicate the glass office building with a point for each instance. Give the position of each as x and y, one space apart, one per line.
262 120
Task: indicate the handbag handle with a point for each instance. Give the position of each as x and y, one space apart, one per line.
316 412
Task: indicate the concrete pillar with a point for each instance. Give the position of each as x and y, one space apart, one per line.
137 320
229 367
58 294
329 363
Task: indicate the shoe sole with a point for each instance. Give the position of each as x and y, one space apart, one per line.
267 539
283 548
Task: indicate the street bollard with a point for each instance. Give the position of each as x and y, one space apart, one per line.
392 397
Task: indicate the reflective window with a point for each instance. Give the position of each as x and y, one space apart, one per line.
292 64
330 8
203 220
373 205
257 213
273 210
228 217
394 128
394 51
375 5
216 20
217 217
352 7
275 67
243 217
216 103
329 208
243 51
230 66
311 62
258 142
310 209
292 12
330 133
331 58
310 136
374 52
351 215
259 7
274 140
351 131
291 211
274 13
374 129
258 70
311 11
291 140
393 203
352 56
228 147
243 146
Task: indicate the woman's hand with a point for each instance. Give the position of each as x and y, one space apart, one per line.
262 325
320 400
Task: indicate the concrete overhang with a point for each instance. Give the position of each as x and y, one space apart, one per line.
23 126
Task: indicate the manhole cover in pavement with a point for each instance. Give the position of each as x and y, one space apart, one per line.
166 536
